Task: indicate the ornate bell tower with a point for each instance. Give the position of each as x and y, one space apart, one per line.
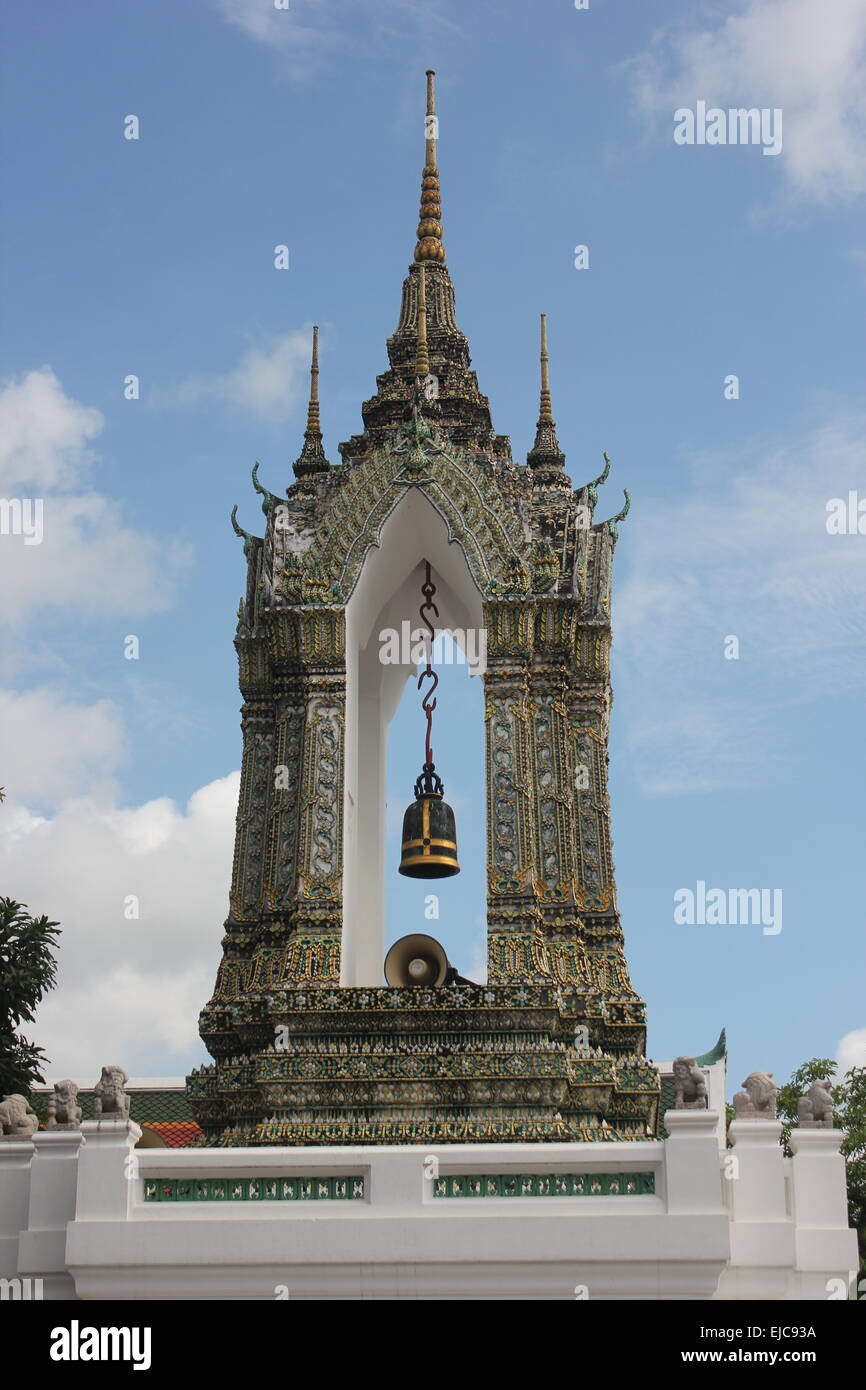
309 1046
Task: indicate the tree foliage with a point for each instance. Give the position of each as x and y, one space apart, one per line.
849 1101
28 970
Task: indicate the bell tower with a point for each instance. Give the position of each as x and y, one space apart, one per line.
309 1046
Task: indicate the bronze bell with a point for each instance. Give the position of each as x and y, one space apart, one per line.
429 832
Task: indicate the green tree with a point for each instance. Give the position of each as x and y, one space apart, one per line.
849 1101
27 970
819 1069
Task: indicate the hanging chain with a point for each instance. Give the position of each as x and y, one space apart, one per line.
429 780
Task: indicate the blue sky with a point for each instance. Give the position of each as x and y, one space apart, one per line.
155 257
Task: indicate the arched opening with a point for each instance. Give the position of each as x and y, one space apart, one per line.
454 910
388 593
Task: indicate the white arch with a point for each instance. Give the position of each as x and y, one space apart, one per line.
387 593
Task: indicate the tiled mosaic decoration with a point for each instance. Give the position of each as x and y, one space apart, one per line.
545 1185
303 1189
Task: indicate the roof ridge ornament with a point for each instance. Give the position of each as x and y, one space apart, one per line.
268 498
611 524
239 531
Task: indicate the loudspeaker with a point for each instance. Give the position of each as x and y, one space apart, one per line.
417 960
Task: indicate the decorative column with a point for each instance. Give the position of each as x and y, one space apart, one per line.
107 1168
53 1186
15 1159
692 1175
762 1231
825 1246
510 829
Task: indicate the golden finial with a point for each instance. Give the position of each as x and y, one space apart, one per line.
429 246
422 368
545 414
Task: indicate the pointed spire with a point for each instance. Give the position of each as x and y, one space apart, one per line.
545 413
545 458
422 361
429 247
312 456
463 412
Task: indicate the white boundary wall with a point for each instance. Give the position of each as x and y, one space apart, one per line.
738 1223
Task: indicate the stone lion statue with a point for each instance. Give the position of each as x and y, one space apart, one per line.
17 1120
758 1099
64 1112
109 1097
815 1109
691 1088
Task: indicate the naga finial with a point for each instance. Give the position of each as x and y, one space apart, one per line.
268 497
239 531
611 523
593 487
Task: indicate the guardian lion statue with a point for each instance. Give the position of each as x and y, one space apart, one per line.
109 1098
815 1109
758 1100
17 1120
691 1088
64 1112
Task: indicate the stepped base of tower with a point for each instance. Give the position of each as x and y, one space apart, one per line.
448 1065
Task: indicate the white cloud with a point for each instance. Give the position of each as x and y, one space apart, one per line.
44 435
262 20
745 553
807 58
303 33
269 382
128 991
88 557
52 749
851 1051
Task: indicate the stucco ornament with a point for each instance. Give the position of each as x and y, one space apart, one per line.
758 1100
110 1100
64 1112
815 1109
17 1120
691 1088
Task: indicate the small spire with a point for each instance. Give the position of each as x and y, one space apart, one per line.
545 458
312 456
422 366
313 422
545 414
429 246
